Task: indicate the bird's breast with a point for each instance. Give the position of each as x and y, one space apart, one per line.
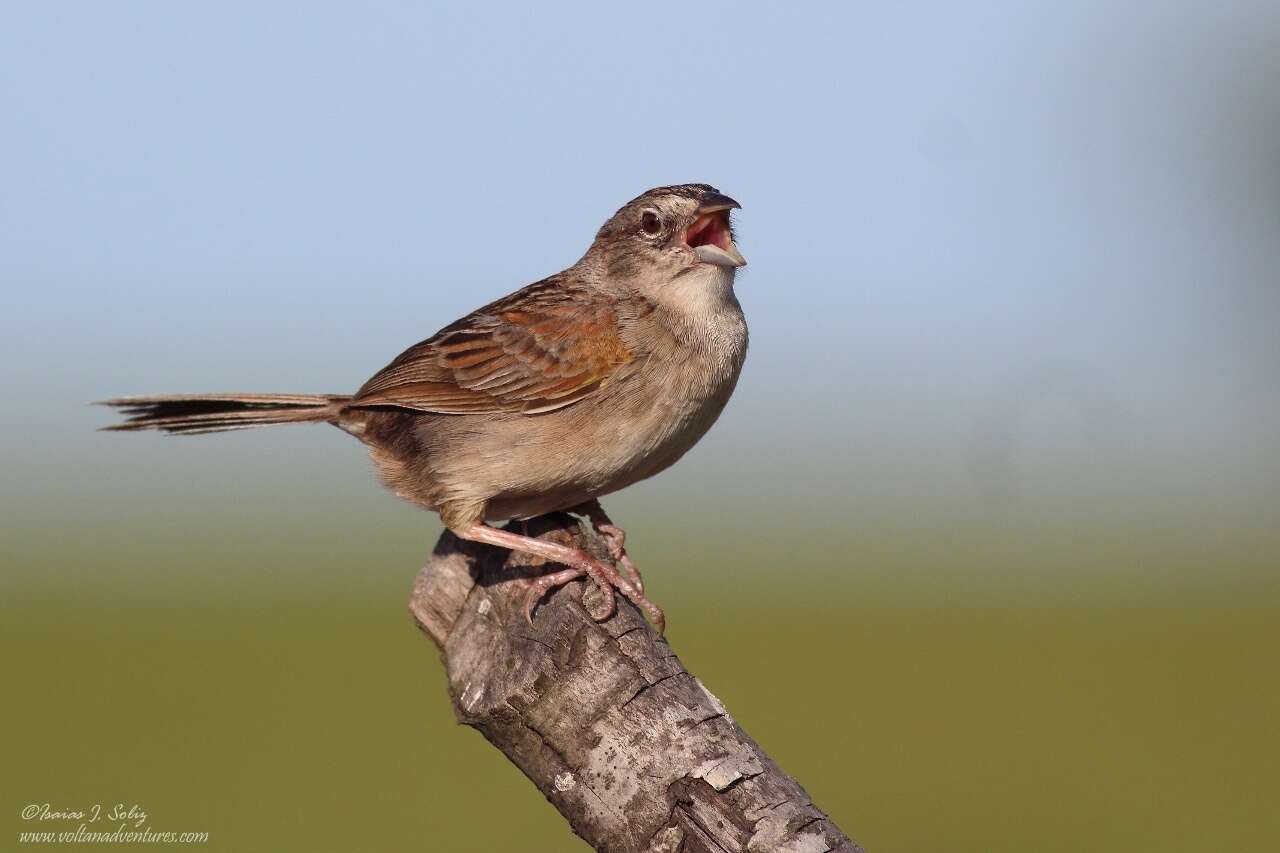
641 422
678 392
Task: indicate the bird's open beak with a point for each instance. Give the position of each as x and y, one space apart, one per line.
710 237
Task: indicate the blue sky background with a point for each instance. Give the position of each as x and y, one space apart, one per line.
1012 266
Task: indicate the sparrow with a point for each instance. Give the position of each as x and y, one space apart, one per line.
562 392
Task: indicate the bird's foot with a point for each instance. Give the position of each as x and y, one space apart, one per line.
615 538
579 564
607 579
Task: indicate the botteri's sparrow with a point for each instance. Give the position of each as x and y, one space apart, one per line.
566 390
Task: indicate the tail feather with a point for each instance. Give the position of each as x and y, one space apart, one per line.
194 414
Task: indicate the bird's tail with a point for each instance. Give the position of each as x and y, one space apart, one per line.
192 414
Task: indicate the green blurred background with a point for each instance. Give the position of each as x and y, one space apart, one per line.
984 550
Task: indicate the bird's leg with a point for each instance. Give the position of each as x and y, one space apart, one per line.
579 563
614 536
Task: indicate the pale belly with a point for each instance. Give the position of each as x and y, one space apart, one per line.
613 451
524 466
623 438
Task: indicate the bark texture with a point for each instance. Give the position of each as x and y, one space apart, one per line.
601 716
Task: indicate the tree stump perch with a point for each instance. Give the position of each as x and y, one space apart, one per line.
632 750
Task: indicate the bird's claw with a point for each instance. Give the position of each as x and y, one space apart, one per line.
607 579
539 587
615 539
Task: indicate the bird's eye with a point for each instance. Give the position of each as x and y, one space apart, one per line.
651 223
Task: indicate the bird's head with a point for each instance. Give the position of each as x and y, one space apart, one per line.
669 232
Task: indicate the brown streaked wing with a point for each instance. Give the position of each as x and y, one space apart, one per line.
530 353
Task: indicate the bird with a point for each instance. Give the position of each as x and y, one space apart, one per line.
547 399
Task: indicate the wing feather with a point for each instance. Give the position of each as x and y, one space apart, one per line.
540 349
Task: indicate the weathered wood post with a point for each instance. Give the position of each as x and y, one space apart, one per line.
601 716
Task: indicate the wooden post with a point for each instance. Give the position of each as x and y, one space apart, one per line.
601 716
